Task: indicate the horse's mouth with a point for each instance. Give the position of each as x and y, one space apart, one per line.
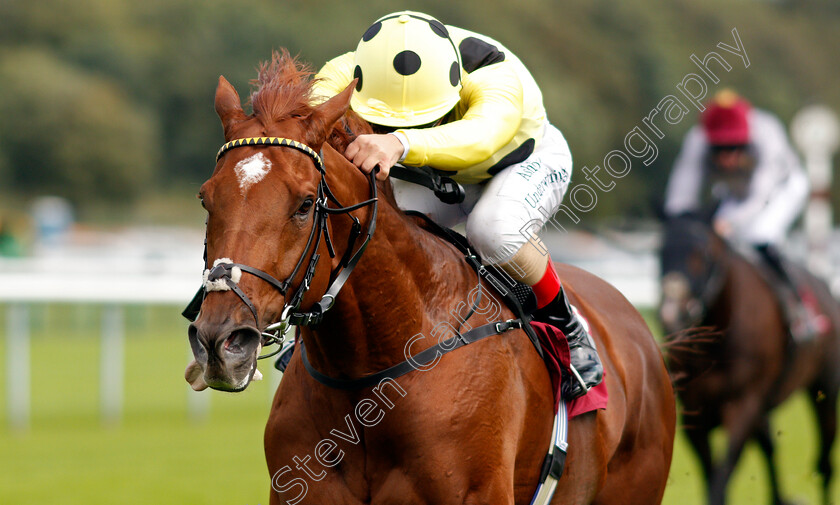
229 365
224 385
198 379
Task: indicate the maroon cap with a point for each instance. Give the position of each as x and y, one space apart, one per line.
725 121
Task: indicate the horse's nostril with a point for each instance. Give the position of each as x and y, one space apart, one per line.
240 341
232 343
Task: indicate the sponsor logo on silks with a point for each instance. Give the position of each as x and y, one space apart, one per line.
526 171
533 198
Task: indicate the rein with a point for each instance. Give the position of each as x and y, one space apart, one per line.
714 284
225 274
718 271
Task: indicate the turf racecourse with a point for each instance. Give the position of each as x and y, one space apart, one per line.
158 454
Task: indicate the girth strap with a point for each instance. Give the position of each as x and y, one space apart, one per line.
414 362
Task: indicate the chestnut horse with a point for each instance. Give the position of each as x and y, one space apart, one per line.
472 427
747 364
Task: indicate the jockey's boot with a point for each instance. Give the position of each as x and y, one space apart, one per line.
803 321
587 370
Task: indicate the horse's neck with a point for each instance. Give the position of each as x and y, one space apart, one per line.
741 280
406 282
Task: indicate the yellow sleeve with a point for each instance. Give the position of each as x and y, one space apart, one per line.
333 77
491 101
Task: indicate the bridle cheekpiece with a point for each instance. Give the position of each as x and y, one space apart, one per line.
225 274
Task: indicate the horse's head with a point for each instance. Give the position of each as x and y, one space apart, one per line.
260 202
690 261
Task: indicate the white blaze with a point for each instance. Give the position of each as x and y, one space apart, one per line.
251 171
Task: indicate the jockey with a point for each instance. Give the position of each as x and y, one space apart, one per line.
461 103
744 155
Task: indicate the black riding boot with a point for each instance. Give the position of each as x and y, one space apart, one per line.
802 327
587 370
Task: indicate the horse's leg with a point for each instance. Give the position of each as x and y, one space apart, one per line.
765 441
739 420
697 432
825 405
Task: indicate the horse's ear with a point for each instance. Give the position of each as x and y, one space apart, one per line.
228 105
325 115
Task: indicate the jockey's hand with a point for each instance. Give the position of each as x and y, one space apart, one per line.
368 151
722 227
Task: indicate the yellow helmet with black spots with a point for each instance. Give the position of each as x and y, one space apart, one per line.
408 71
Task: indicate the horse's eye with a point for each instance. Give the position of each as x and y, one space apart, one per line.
305 207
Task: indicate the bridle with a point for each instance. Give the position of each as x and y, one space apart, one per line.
225 275
225 271
705 290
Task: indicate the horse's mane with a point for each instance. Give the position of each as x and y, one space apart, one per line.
284 89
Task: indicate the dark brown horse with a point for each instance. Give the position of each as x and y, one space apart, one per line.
473 426
744 364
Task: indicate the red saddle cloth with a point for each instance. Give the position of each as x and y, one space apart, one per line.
556 357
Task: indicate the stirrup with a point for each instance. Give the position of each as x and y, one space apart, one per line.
579 380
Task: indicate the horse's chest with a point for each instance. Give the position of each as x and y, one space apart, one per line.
342 466
360 459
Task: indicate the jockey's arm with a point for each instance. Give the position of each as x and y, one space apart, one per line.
782 209
686 181
491 101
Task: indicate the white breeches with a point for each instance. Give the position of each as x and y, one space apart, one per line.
501 213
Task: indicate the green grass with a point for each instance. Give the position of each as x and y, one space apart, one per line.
158 454
796 453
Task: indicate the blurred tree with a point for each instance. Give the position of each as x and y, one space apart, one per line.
602 66
72 133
